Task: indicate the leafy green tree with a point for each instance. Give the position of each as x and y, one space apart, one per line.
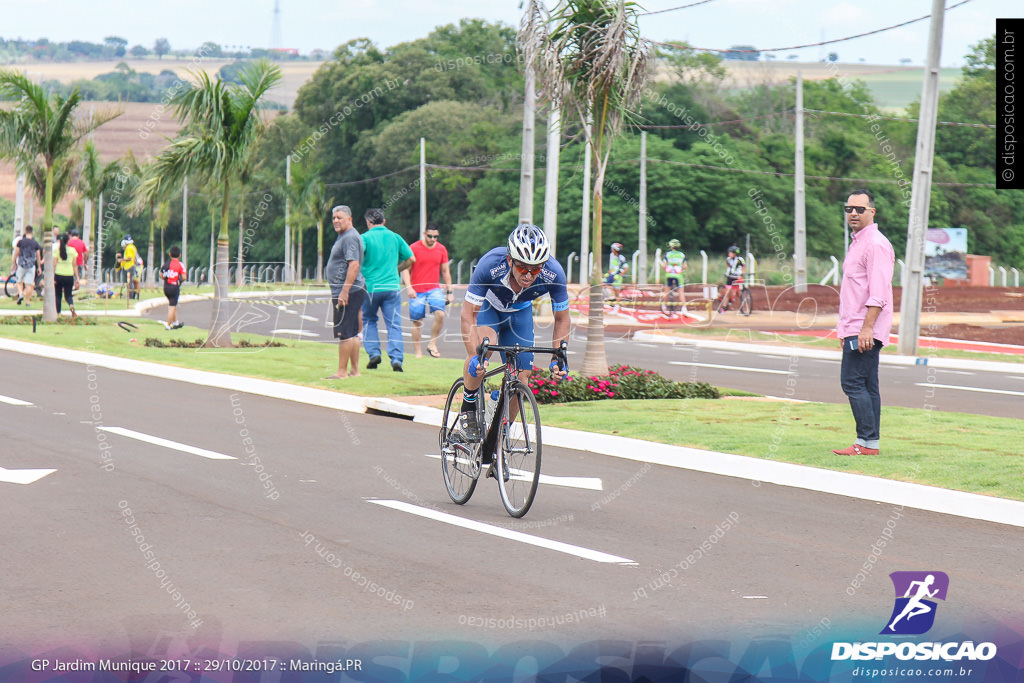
593 63
94 178
221 125
139 51
42 132
161 47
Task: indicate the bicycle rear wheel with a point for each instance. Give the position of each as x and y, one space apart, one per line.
746 302
460 463
519 455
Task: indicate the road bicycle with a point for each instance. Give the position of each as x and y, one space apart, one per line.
745 298
511 442
11 284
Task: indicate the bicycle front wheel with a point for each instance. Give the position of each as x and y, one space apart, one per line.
460 464
11 286
519 455
746 302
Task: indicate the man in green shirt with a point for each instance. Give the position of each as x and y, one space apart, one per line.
385 255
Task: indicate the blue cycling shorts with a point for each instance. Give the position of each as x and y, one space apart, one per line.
513 327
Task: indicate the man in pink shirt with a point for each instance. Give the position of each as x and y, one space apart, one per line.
865 318
422 283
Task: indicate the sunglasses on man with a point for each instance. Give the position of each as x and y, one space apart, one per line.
432 237
524 268
859 209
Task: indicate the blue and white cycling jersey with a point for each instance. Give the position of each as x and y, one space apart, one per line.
490 284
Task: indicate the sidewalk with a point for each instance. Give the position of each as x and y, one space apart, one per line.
918 496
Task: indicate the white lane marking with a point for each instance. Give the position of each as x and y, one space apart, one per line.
23 476
727 353
645 345
13 401
755 597
301 333
310 318
588 483
1016 377
979 389
167 443
286 309
558 546
729 367
954 372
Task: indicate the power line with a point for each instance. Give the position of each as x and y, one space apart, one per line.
779 174
899 118
673 9
716 123
799 47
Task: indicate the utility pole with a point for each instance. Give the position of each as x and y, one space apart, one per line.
551 177
799 200
642 275
585 232
921 192
19 206
423 187
184 223
526 174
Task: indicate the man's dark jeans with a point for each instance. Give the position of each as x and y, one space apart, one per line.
859 377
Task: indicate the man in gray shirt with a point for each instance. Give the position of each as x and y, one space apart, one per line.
348 290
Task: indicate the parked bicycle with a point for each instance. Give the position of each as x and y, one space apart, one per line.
511 442
11 284
729 293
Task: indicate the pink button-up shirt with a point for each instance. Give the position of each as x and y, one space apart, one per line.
867 281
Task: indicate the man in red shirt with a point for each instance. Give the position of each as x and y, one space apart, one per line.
79 246
424 289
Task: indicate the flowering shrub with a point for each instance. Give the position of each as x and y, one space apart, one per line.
622 382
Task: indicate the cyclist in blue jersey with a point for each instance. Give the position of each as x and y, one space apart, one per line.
499 306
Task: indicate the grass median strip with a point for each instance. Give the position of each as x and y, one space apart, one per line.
973 453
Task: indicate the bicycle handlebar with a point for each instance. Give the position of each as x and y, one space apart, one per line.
560 353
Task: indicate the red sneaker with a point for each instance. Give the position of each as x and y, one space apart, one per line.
857 449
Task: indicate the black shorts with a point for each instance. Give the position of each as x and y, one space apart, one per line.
733 279
172 292
346 318
672 282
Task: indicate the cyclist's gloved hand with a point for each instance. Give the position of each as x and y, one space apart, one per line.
476 368
558 370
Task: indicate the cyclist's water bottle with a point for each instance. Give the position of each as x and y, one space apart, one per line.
491 405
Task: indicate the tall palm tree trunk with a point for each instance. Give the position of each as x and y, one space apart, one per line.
150 270
239 274
320 252
220 330
49 300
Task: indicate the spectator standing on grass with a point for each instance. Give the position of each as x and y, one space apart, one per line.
344 277
173 274
28 256
65 274
422 283
78 244
385 255
865 319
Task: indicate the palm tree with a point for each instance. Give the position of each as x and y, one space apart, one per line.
593 63
39 133
222 124
94 178
307 194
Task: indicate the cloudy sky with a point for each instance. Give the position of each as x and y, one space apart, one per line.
311 24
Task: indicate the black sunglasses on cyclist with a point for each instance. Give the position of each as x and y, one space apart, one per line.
859 209
523 268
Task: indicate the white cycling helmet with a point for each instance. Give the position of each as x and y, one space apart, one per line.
528 245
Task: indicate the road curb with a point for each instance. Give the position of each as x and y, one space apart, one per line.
755 470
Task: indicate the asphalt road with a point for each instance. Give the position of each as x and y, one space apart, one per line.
185 521
971 391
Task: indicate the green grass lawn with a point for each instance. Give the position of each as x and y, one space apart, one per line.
966 452
971 453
